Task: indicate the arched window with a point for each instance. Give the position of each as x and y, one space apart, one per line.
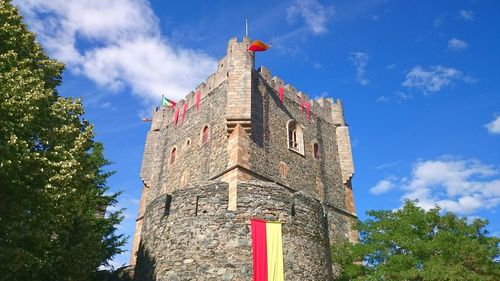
173 154
316 150
295 137
205 134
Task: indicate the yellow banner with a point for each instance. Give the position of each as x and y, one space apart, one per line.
274 252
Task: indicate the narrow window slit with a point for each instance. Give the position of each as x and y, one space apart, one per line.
168 202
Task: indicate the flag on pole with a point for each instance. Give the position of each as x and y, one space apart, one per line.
258 46
168 102
267 249
281 90
198 97
184 110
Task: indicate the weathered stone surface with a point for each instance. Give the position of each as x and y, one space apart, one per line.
194 219
200 239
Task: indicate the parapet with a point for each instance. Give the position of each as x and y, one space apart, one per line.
221 75
324 108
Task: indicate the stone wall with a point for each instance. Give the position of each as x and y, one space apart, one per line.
321 177
190 234
195 160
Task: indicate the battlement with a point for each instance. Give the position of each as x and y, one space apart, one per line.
324 108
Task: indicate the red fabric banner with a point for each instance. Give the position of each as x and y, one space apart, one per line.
308 109
198 97
259 249
184 110
305 104
281 90
176 117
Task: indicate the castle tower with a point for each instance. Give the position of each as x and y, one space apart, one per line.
243 154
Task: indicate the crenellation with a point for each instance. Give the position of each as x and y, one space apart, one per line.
265 72
276 81
290 89
338 113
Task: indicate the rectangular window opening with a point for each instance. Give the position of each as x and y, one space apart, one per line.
168 202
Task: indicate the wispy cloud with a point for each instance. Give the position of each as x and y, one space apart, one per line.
387 165
396 97
383 186
360 61
466 15
493 127
123 46
313 13
434 78
457 45
461 186
438 21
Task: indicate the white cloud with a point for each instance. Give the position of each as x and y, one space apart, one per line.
494 126
437 22
396 97
123 46
314 14
391 66
466 15
383 186
461 186
455 44
387 165
434 79
360 60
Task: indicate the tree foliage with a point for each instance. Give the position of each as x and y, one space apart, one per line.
414 244
52 182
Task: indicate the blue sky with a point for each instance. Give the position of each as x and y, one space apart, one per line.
418 79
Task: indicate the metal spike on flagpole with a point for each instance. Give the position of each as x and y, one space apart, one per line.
246 27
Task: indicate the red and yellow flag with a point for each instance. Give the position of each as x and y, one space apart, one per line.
267 248
258 46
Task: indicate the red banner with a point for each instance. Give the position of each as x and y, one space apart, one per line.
176 117
281 90
198 97
259 249
184 110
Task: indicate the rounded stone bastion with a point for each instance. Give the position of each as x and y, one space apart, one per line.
190 234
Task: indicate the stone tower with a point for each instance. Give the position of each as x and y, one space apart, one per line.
243 154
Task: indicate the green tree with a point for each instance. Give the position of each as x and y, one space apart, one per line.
52 183
414 244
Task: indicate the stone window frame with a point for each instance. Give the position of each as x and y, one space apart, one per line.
188 142
295 136
202 134
173 155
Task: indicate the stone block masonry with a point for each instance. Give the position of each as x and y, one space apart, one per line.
243 155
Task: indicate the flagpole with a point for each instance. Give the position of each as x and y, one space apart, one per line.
246 27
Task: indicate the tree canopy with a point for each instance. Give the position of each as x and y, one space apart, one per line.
414 244
53 193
